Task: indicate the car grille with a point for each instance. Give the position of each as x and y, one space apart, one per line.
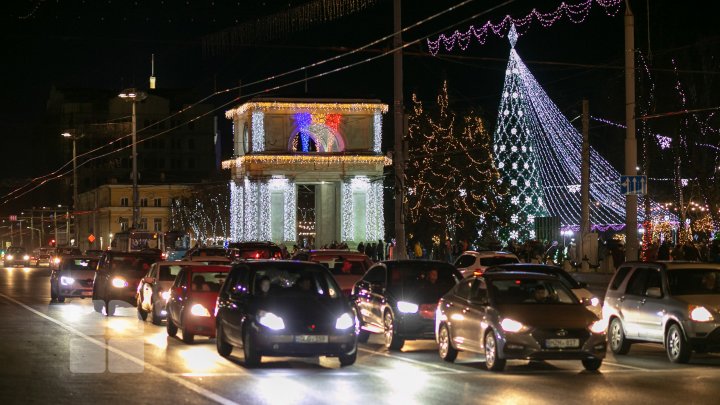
85 283
541 335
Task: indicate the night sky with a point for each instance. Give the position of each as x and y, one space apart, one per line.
107 45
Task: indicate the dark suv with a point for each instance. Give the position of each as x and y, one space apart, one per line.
118 276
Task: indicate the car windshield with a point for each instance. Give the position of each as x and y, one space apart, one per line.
339 265
207 281
135 263
79 264
530 291
497 260
562 275
284 280
694 281
16 250
423 273
168 272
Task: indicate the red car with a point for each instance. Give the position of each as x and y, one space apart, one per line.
191 306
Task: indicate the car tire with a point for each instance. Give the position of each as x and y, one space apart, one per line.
60 298
445 348
616 336
252 357
109 308
98 305
224 348
392 340
493 362
156 319
171 328
187 337
142 314
592 364
677 347
53 292
348 359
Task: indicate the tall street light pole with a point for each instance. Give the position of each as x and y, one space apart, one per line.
631 231
134 96
74 139
400 250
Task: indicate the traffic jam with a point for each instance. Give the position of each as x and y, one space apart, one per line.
256 301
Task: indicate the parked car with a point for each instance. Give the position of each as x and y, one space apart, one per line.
347 266
284 308
255 250
672 303
399 298
517 315
117 278
73 278
580 290
193 296
154 290
471 261
16 256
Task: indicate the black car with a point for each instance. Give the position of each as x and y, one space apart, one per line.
117 278
255 250
284 308
16 255
399 298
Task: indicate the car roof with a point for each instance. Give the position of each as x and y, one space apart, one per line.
677 265
488 253
205 258
209 268
80 257
525 267
175 263
505 275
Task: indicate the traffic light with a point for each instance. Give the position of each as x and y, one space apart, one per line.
52 242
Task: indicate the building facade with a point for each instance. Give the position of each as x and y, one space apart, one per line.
307 172
107 209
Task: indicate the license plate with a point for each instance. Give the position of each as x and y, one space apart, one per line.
311 339
86 293
561 343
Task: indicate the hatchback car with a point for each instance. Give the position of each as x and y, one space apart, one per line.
580 290
191 305
16 256
398 299
346 266
73 278
154 290
471 261
117 278
515 315
284 308
673 303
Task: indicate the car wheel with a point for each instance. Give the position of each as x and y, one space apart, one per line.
348 359
493 362
156 319
618 343
142 314
53 292
392 340
187 337
362 334
98 305
223 348
109 308
252 357
445 349
171 328
592 364
678 349
60 298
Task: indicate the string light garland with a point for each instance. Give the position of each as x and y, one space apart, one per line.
576 13
532 133
306 160
339 107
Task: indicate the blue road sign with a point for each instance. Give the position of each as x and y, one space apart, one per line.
633 185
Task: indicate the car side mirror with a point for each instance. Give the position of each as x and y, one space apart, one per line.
654 292
149 280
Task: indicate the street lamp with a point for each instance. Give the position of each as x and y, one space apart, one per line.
74 139
133 96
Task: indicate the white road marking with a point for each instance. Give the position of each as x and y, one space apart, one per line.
626 366
421 363
147 366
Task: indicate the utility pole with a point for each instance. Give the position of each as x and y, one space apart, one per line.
585 188
631 231
400 250
32 235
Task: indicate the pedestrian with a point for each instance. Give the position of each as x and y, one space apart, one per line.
380 250
418 250
664 251
361 247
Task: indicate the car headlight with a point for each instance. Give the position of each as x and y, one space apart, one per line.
407 307
510 325
700 314
199 310
118 282
26 257
270 320
66 280
165 295
56 260
345 321
9 257
594 301
599 326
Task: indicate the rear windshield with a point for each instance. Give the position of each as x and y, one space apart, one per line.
79 264
339 265
208 281
530 291
285 280
168 273
694 282
420 273
15 250
258 253
496 261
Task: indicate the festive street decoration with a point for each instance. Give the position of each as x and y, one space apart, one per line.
533 137
576 13
452 183
206 213
309 160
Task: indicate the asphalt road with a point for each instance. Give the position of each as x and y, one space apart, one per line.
68 354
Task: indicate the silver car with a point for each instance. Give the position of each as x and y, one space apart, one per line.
673 303
73 277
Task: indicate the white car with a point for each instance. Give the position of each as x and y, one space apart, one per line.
471 261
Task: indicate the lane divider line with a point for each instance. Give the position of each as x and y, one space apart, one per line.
147 366
421 363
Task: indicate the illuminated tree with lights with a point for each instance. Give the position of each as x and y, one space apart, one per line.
204 213
452 183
